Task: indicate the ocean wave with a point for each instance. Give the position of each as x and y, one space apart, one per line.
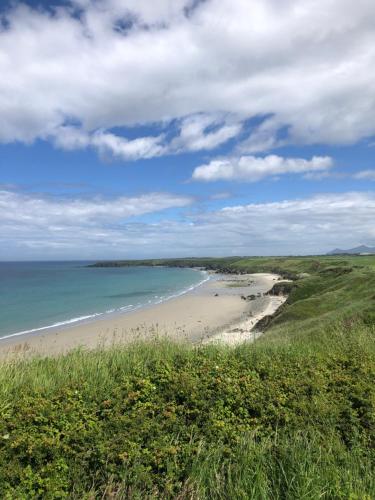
187 290
54 325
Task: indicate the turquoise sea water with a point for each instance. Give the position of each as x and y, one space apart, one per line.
37 295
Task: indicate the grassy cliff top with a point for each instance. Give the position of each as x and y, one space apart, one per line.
292 265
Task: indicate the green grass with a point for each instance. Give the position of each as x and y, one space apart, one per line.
289 417
344 292
155 420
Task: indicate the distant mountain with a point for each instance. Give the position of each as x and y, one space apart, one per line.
356 250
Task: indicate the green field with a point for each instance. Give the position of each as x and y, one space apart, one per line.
289 417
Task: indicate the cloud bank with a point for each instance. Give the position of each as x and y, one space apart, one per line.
18 208
303 69
32 226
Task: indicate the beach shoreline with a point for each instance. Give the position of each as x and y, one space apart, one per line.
108 315
111 313
218 310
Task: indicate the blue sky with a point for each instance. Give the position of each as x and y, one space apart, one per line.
173 128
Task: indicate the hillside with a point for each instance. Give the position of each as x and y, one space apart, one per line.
289 417
362 249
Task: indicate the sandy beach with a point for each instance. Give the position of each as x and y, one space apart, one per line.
213 312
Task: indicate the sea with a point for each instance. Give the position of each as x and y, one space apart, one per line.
37 296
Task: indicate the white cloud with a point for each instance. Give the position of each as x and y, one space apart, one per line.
252 168
306 65
195 133
35 227
263 138
368 175
105 143
200 132
48 212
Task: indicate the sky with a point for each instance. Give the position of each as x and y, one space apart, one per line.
171 128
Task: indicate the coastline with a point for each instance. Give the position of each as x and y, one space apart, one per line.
105 315
211 312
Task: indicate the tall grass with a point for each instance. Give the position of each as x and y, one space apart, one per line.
170 421
296 466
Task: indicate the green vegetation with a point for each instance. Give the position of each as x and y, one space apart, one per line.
289 417
326 289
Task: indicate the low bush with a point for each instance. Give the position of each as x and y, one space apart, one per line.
168 421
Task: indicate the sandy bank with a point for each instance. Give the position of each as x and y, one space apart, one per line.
212 312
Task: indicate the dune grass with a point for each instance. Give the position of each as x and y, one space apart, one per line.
289 417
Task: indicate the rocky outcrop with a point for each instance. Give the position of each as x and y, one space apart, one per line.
281 288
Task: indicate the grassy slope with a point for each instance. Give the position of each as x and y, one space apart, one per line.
291 416
332 289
